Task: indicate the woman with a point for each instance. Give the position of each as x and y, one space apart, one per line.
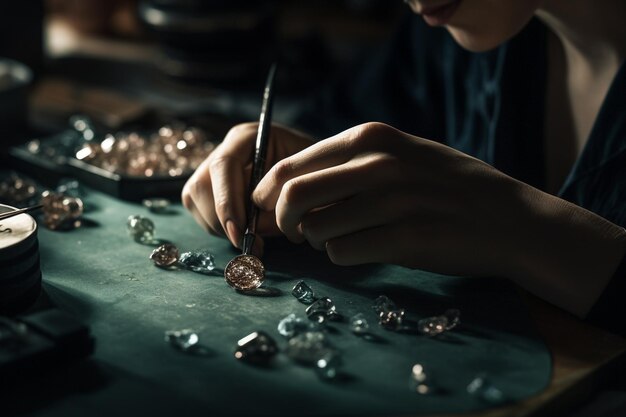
526 178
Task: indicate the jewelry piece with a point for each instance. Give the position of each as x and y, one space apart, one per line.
433 326
245 272
322 309
359 324
140 228
60 211
200 261
303 292
156 205
291 326
308 347
184 340
165 255
257 347
484 389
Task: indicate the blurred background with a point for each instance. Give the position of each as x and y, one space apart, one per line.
113 59
84 81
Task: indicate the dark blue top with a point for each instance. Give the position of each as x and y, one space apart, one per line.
489 105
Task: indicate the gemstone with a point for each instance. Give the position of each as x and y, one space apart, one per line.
17 191
308 347
383 304
418 380
256 347
432 326
391 320
140 228
435 325
292 325
303 292
454 318
359 324
322 309
245 272
201 261
61 212
185 340
482 388
70 187
327 367
156 205
165 255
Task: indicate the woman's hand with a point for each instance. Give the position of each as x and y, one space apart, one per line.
216 194
376 194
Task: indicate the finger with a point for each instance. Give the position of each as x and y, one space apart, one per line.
363 211
375 245
198 191
323 154
227 167
328 186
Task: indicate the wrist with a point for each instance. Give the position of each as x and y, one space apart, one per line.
565 254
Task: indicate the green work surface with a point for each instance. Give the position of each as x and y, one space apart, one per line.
106 279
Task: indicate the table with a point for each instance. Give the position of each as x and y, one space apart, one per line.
97 273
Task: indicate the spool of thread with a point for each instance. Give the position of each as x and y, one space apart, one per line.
20 272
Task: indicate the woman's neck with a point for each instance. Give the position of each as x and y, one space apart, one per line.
593 34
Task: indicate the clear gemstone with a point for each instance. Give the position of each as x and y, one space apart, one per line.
391 320
432 326
419 382
359 324
454 318
201 261
184 340
156 205
256 347
303 292
70 187
327 367
292 325
308 347
482 388
383 304
60 211
321 309
165 255
140 228
245 272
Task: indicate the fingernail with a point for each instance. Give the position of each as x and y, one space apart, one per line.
233 232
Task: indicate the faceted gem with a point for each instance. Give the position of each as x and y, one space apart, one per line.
140 228
327 367
156 205
383 304
308 347
391 320
70 187
292 325
201 261
185 340
257 347
165 255
303 292
61 212
418 380
433 326
245 272
482 388
17 191
454 318
322 309
359 324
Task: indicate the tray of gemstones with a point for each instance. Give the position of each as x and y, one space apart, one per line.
150 158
